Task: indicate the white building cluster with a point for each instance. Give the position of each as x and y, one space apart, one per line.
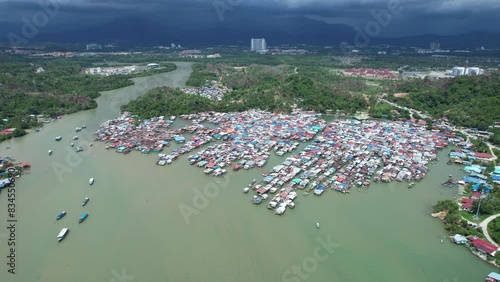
459 71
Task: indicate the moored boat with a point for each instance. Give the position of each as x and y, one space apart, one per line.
62 234
85 201
83 217
256 200
58 138
317 225
50 152
246 189
91 181
492 277
61 215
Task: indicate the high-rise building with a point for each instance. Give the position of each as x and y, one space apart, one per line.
435 46
458 71
474 71
258 45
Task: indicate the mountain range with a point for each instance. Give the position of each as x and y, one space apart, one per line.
288 30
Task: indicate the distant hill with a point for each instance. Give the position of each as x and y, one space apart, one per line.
295 29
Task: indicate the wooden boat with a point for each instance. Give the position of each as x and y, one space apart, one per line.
61 215
85 201
83 217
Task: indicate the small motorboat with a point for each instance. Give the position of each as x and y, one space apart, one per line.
85 201
58 138
246 189
62 234
50 152
78 149
256 200
72 144
75 137
317 225
83 217
411 185
77 129
61 215
91 181
84 126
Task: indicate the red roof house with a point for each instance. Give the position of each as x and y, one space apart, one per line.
467 204
485 247
483 156
476 195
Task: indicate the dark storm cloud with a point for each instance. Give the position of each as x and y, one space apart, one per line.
416 17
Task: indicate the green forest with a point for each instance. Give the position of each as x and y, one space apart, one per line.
164 101
61 88
279 88
470 101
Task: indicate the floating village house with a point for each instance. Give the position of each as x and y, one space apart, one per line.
485 247
459 239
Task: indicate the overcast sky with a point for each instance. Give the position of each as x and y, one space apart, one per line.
413 17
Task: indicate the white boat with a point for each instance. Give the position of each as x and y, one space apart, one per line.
50 152
75 137
58 138
272 205
91 181
281 209
72 144
246 189
317 225
62 234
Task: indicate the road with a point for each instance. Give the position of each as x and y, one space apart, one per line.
454 128
484 227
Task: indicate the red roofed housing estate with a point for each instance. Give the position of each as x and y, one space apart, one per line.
483 156
485 247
